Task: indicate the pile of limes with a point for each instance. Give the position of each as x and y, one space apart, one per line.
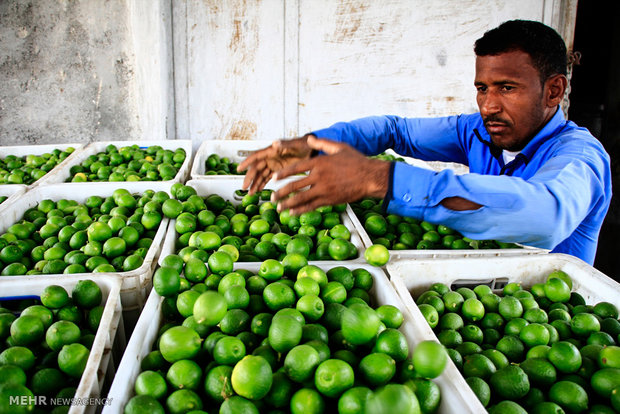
541 350
29 168
405 233
216 165
310 342
108 234
254 229
130 163
45 345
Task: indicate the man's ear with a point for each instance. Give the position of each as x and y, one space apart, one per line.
555 87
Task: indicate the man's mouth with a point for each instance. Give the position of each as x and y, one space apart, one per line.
496 127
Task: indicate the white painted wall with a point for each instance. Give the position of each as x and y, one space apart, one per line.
267 69
94 70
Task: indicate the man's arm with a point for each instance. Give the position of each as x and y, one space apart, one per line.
428 139
542 211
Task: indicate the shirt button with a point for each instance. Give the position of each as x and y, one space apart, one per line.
407 197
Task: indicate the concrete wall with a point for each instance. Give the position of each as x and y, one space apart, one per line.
82 71
94 70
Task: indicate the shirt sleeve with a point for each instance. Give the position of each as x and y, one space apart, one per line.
540 212
428 139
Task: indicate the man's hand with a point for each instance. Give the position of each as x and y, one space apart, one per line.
342 175
262 164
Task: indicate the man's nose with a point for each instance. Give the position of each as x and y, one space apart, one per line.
489 103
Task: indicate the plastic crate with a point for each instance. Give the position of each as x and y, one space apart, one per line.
12 192
145 334
412 277
442 253
61 175
109 339
23 150
226 188
235 150
136 283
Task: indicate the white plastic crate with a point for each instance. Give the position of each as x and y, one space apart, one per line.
109 337
226 188
136 283
94 148
12 192
235 150
23 150
442 253
145 334
411 277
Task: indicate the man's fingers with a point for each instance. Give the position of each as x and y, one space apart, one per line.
253 172
260 181
301 202
289 188
256 156
296 168
325 145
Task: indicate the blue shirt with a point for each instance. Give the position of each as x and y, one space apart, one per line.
553 195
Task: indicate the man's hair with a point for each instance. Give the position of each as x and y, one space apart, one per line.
544 45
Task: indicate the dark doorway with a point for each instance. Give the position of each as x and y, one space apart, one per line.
595 104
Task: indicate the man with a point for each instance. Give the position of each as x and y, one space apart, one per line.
534 178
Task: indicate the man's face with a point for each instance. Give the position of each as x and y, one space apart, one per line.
511 98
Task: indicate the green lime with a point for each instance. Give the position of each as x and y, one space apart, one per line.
151 383
307 401
278 295
453 301
569 395
72 359
184 374
301 362
510 382
62 333
360 324
333 377
565 357
166 281
183 401
210 308
393 398
354 400
27 330
86 294
584 324
311 306
480 388
427 393
478 365
252 377
429 359
271 270
472 309
284 333
218 383
540 372
534 334
377 255
556 290
377 369
179 342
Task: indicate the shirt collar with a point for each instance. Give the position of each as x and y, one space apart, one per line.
547 132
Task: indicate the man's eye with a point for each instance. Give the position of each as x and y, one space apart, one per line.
481 88
507 88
